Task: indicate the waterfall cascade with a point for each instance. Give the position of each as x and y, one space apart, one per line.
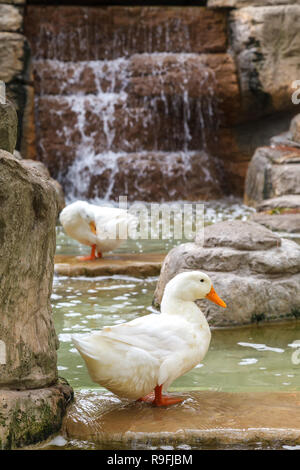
128 101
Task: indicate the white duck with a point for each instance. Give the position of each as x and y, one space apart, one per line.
149 353
101 228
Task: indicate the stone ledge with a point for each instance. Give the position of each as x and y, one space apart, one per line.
146 264
204 418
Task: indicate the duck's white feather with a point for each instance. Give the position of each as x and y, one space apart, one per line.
111 224
132 358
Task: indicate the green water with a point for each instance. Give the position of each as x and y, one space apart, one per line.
240 359
243 359
213 211
254 358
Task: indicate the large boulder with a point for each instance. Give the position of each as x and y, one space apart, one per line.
253 270
27 220
28 342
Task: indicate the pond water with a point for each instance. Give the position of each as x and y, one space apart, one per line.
244 359
255 358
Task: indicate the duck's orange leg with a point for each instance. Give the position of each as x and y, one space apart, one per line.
99 254
158 399
91 257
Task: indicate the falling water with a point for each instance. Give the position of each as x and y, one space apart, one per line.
115 120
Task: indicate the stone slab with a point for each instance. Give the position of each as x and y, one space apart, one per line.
204 418
146 264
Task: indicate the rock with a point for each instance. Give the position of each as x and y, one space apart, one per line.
27 234
8 127
139 265
32 400
11 56
259 280
205 419
41 169
238 235
279 204
15 2
246 3
30 416
273 172
10 18
295 128
260 53
279 222
109 32
280 213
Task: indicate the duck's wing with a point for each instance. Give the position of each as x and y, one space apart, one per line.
113 223
153 333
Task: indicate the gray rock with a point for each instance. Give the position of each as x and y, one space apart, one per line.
12 49
289 223
8 127
272 172
257 284
284 139
28 213
288 201
238 235
295 128
261 51
32 400
39 168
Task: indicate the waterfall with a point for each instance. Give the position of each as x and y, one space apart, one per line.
133 120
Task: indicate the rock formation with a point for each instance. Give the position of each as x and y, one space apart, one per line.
32 399
273 182
252 269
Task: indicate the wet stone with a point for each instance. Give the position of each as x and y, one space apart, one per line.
140 265
204 418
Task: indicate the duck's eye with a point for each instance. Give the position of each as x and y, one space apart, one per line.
201 280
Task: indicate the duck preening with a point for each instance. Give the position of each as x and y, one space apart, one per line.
102 228
147 354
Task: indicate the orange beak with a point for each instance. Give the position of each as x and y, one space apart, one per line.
93 227
213 296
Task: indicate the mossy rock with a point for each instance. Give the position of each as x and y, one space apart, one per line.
28 417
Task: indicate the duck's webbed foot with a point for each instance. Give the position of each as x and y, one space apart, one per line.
158 399
91 257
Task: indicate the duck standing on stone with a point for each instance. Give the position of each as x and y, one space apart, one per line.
147 354
96 226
